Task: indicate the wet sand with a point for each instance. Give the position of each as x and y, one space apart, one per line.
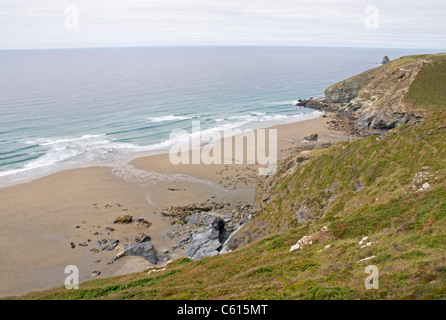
40 219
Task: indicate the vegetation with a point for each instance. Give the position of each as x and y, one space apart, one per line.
428 91
358 189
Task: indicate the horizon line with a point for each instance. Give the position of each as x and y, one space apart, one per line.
215 46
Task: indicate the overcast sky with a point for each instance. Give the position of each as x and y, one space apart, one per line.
103 23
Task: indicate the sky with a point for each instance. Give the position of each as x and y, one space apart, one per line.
37 24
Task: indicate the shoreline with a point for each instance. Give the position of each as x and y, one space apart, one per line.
127 158
42 217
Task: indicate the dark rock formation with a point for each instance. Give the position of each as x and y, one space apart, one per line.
144 249
208 242
313 137
385 60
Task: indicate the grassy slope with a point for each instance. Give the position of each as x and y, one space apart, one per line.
409 227
428 91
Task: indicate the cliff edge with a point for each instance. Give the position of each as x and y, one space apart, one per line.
394 93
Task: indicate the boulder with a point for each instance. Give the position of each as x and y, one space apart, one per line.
142 237
208 243
143 222
144 249
313 137
124 219
385 60
194 218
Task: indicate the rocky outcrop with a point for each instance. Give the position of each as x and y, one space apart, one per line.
208 242
348 90
385 60
144 249
376 97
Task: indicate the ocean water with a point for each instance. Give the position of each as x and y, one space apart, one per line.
62 109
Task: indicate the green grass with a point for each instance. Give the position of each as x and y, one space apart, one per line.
428 90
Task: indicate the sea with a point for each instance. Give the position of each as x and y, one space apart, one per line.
69 108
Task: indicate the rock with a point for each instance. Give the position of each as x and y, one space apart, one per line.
203 247
366 119
304 241
420 181
358 186
299 103
102 242
303 212
385 60
143 222
156 270
426 185
144 249
195 218
313 137
110 247
113 241
245 220
208 220
94 274
72 245
186 240
142 237
364 239
208 242
110 229
124 219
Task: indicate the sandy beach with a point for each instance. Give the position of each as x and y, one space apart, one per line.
42 218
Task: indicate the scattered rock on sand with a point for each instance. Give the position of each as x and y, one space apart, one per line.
313 137
94 274
124 219
142 237
143 222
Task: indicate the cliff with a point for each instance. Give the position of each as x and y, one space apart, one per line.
393 94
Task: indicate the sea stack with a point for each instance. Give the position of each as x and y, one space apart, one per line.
385 60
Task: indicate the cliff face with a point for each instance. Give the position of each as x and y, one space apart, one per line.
377 97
